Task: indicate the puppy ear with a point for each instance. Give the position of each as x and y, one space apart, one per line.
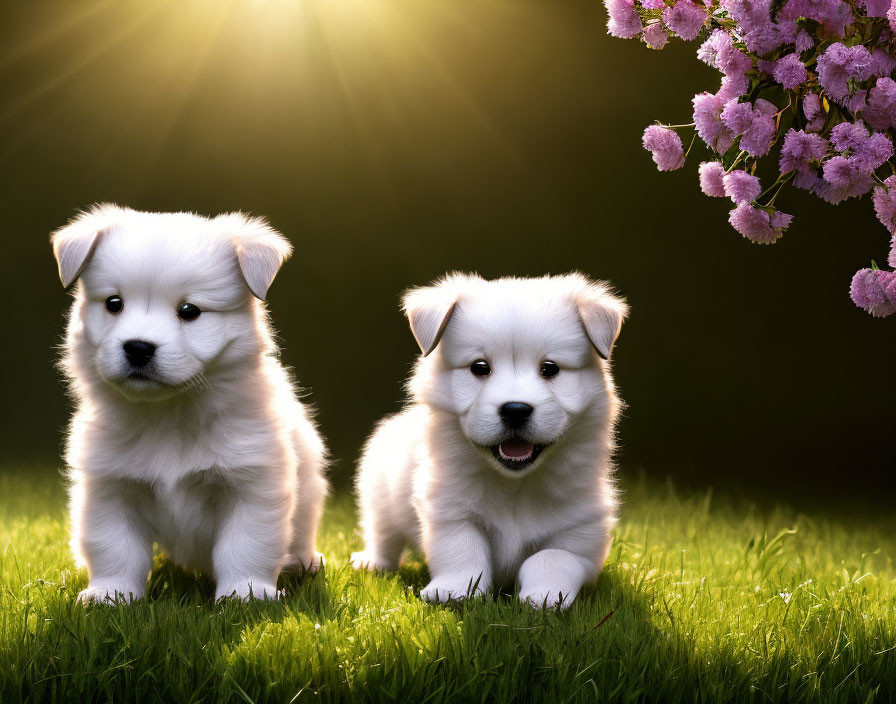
602 314
74 244
428 310
260 250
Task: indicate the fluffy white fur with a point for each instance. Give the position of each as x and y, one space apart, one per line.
429 477
207 450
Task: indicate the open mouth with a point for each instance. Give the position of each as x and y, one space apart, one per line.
516 454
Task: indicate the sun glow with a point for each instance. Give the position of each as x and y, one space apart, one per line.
376 83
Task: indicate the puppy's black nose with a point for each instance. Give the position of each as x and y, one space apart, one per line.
515 413
139 352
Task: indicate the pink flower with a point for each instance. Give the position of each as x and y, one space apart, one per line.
834 15
876 8
885 207
741 187
623 21
868 151
760 33
880 113
874 291
813 112
755 125
655 35
708 119
838 64
665 146
802 151
789 71
780 221
845 173
719 52
712 174
756 225
882 62
834 193
804 41
685 18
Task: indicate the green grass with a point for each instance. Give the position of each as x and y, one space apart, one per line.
701 599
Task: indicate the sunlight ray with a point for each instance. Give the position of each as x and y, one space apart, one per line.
40 40
95 53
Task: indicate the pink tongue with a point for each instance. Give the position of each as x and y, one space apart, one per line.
516 449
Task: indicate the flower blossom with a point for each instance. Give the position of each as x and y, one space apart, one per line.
754 124
876 8
838 64
874 291
884 200
720 52
665 146
833 15
757 225
708 121
685 18
655 36
803 152
741 187
761 34
623 21
712 174
813 112
789 71
880 112
868 151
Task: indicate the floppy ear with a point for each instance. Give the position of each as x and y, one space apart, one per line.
74 244
602 314
260 250
428 310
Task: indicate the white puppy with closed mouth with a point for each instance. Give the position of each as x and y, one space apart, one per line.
500 466
187 429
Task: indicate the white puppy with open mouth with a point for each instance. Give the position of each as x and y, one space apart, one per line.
500 467
187 429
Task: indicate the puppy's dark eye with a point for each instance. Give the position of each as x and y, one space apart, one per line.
549 369
188 312
114 304
480 368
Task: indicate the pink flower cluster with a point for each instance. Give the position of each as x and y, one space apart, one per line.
811 82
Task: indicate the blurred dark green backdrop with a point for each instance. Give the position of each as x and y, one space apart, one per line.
392 140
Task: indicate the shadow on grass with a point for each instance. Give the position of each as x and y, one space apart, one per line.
169 581
165 647
618 642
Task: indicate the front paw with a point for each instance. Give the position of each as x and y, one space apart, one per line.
546 599
114 594
366 560
247 589
301 566
443 589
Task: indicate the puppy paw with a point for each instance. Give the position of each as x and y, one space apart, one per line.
109 594
299 565
546 599
248 589
444 589
366 560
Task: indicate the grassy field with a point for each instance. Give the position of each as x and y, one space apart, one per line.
702 599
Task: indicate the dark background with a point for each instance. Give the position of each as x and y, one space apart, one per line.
392 140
